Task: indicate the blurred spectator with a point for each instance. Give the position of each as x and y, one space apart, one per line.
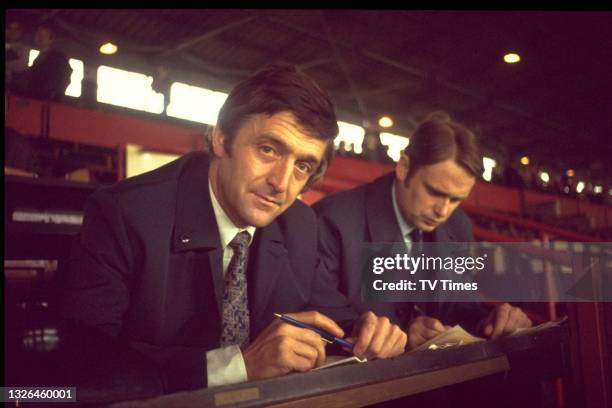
16 53
341 149
567 184
162 82
533 180
49 75
373 150
89 85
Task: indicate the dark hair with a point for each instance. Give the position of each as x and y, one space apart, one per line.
439 138
279 88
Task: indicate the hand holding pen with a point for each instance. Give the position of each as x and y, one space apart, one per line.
423 328
283 348
374 337
327 337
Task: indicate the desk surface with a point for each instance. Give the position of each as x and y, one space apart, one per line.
532 355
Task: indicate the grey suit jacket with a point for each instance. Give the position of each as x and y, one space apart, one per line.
365 214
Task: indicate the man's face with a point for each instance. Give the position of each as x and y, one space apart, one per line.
430 196
43 38
271 160
13 32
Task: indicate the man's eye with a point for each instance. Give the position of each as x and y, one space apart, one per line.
266 149
304 167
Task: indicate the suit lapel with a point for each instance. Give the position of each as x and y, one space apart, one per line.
215 263
380 216
195 224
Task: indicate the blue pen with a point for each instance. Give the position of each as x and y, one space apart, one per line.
330 338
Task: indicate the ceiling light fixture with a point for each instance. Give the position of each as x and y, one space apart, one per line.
109 48
385 121
524 160
512 58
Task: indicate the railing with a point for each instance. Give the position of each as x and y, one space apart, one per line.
111 127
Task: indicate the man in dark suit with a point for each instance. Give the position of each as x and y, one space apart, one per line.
435 173
188 263
49 75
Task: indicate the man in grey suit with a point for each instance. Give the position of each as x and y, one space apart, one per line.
435 173
188 263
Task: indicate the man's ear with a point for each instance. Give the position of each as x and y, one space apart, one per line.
218 148
402 168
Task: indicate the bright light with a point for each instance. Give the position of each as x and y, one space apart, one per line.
544 176
351 135
569 173
109 48
524 160
32 56
128 89
385 122
598 189
395 144
580 187
74 89
195 103
512 58
138 161
488 164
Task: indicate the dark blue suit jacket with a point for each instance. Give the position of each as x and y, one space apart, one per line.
147 268
365 214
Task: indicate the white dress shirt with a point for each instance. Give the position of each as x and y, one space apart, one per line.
405 228
225 365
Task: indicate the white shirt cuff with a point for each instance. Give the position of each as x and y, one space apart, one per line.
225 366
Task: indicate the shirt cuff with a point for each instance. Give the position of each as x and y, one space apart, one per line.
225 366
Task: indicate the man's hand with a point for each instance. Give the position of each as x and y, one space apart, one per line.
503 320
375 337
422 329
282 348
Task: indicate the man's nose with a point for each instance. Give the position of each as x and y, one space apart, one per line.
280 175
442 208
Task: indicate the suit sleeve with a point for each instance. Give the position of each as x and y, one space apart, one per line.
328 277
97 291
327 299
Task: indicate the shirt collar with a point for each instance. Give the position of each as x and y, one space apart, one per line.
227 229
405 228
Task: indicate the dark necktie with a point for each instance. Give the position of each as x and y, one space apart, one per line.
416 236
235 325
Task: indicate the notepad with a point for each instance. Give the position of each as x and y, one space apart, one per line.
455 336
332 361
543 326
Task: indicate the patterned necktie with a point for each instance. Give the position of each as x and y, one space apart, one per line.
235 325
